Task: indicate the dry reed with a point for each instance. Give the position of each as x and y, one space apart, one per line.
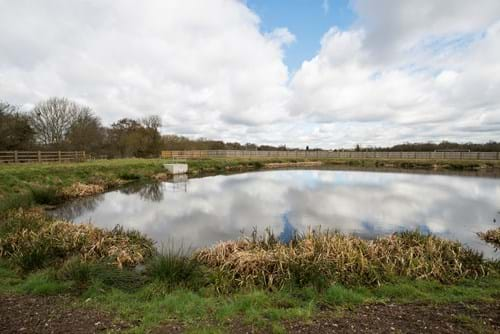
339 258
32 240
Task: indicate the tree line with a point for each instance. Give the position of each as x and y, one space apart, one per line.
61 124
444 146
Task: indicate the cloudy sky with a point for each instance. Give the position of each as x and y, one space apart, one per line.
327 73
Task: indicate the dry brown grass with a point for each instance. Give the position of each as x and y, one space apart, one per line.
491 236
79 189
32 240
326 257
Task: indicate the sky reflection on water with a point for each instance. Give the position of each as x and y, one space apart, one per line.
200 212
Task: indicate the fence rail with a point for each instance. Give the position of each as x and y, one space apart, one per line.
331 155
41 156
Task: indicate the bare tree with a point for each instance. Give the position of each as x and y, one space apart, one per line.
52 119
152 122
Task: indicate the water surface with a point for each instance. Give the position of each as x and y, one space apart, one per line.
202 211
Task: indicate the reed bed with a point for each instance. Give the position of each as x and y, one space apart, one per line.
323 258
492 237
32 240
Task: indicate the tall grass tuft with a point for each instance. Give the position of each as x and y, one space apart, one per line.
175 267
45 195
32 240
86 273
322 257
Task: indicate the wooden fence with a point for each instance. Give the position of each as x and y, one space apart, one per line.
41 156
331 155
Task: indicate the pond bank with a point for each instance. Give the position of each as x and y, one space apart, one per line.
23 185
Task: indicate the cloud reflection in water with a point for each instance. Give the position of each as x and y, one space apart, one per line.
206 210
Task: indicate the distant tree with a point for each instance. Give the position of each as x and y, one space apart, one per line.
151 136
86 132
358 148
52 119
16 132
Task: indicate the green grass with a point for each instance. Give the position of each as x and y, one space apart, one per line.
266 310
42 283
175 268
206 311
27 184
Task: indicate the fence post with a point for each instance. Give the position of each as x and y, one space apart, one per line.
39 156
15 157
59 155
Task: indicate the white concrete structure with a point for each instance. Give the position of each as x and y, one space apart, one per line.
176 168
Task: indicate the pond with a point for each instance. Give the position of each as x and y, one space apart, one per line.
201 211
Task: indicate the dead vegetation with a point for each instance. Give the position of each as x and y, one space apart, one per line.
492 237
32 240
79 189
324 257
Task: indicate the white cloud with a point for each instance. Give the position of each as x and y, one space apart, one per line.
193 62
405 71
417 90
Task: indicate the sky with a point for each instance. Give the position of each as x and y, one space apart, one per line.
321 73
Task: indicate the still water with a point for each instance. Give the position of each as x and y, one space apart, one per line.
202 211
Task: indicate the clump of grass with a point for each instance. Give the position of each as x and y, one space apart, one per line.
491 236
176 268
129 176
338 295
322 258
45 195
84 273
43 283
32 240
15 201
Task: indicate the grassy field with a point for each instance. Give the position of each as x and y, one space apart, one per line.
255 283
